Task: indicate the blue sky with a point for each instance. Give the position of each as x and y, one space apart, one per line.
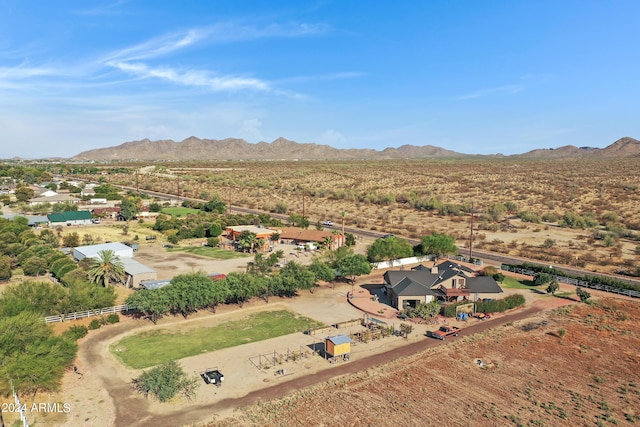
471 76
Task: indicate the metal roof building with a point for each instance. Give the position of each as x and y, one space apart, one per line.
91 251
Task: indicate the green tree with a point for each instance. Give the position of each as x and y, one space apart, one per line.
23 194
264 264
64 207
215 230
438 245
71 240
247 241
151 303
354 266
300 276
496 211
583 294
426 310
43 298
240 286
349 239
129 208
322 270
164 382
48 237
107 268
215 205
390 248
188 292
34 266
5 268
553 287
33 358
542 279
217 293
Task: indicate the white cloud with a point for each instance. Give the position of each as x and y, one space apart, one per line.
501 90
331 137
251 130
193 77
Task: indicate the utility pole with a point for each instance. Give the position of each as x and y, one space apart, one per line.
471 234
137 183
229 204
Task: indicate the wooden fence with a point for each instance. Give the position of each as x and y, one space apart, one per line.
88 313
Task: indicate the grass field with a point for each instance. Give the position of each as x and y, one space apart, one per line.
179 211
215 253
511 283
154 348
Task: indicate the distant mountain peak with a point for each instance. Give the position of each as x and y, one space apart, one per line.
194 148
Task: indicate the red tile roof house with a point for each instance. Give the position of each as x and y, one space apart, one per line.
446 281
301 235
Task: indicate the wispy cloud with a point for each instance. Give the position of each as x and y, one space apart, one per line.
193 77
322 77
500 90
157 47
105 9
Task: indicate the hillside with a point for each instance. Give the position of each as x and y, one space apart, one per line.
194 148
238 149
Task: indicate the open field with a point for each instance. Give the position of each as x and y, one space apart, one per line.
415 198
160 346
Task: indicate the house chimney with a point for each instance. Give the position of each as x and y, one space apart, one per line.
434 269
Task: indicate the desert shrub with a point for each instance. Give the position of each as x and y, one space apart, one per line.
165 381
94 324
529 216
113 318
75 332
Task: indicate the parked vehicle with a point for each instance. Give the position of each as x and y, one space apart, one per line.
444 332
213 376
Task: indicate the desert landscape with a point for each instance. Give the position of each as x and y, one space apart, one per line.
518 205
326 213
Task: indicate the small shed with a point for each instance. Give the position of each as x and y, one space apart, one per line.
137 272
338 346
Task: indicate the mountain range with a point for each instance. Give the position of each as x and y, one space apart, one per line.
194 148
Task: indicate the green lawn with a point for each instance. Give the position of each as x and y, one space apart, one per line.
215 253
511 283
154 348
179 211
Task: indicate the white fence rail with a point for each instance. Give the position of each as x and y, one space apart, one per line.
415 260
88 313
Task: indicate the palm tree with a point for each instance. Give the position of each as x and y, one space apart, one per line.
344 214
107 268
